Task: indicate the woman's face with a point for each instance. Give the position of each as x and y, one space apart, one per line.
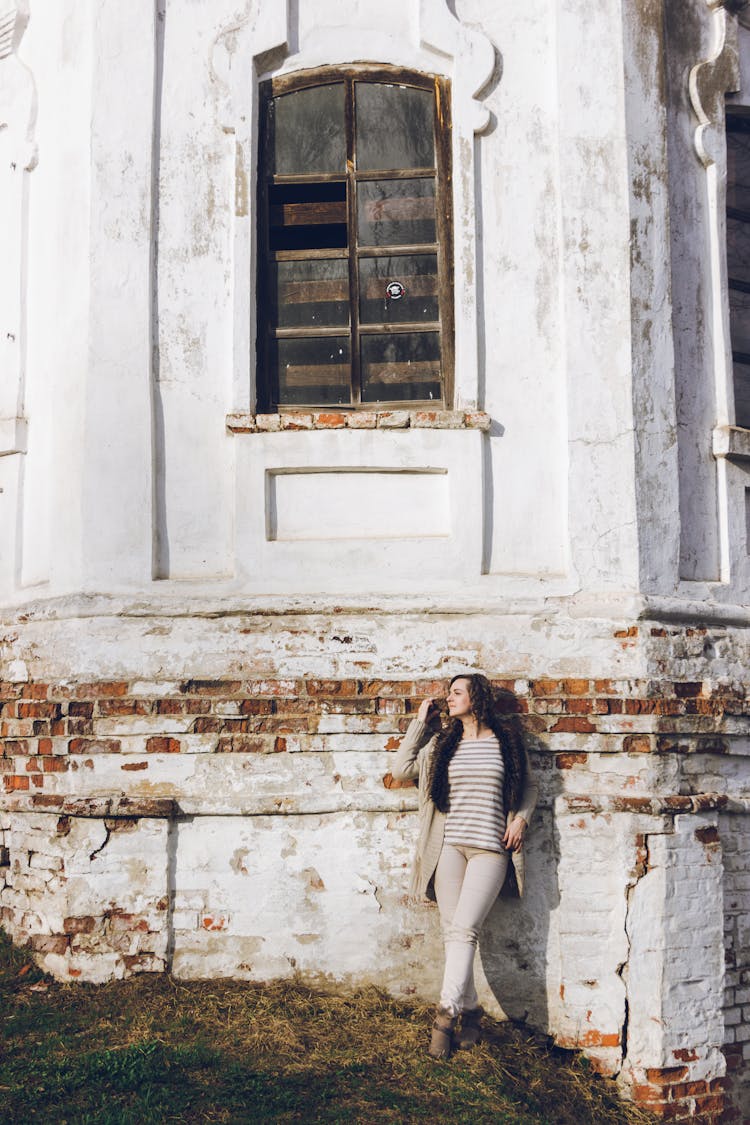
459 700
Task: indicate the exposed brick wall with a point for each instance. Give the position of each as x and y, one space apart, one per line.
78 752
46 729
735 837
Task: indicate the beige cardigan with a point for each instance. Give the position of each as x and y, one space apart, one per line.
412 761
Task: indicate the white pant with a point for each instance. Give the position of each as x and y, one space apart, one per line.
467 882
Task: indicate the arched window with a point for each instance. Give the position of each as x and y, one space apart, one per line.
355 258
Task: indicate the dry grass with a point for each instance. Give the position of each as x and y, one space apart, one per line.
153 1049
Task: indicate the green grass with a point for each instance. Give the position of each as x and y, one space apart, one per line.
153 1049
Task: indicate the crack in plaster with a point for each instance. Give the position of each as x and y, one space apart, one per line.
105 841
640 869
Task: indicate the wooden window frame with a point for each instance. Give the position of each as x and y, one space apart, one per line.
442 248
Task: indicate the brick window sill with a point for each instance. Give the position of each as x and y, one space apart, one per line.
358 420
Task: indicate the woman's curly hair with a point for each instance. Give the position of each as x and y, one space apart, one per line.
498 710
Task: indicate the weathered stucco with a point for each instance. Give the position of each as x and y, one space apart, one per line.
215 626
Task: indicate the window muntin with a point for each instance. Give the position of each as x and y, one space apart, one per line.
355 234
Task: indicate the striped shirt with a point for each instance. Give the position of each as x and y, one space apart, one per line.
476 813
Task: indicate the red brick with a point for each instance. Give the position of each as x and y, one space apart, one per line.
640 706
545 687
49 943
665 1075
296 421
80 710
82 924
567 761
266 706
163 745
535 724
32 766
107 707
573 725
273 687
15 781
595 1038
207 724
712 1103
211 687
103 689
171 706
604 687
240 744
330 421
55 764
687 689
709 835
390 689
35 691
686 1089
39 710
637 744
130 766
279 746
631 631
631 804
576 687
44 746
94 746
579 706
331 687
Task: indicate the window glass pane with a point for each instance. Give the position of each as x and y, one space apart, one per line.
738 161
306 131
310 294
313 371
399 367
398 289
396 212
307 216
742 393
394 127
738 250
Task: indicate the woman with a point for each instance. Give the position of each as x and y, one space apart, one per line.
476 797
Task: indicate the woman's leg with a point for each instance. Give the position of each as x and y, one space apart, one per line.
467 882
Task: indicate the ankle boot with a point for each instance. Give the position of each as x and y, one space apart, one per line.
468 1036
442 1034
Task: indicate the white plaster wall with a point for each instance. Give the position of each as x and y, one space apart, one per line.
522 334
151 484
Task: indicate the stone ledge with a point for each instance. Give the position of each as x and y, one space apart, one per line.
669 804
97 808
358 420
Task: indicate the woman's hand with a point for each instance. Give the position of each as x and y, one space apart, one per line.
425 713
514 834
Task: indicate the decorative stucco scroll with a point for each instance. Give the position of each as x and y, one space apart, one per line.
18 157
711 80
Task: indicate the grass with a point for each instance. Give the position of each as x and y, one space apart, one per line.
154 1049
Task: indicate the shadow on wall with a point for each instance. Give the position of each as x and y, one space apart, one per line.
514 945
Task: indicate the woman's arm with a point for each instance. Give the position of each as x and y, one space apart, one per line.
519 819
530 794
406 766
